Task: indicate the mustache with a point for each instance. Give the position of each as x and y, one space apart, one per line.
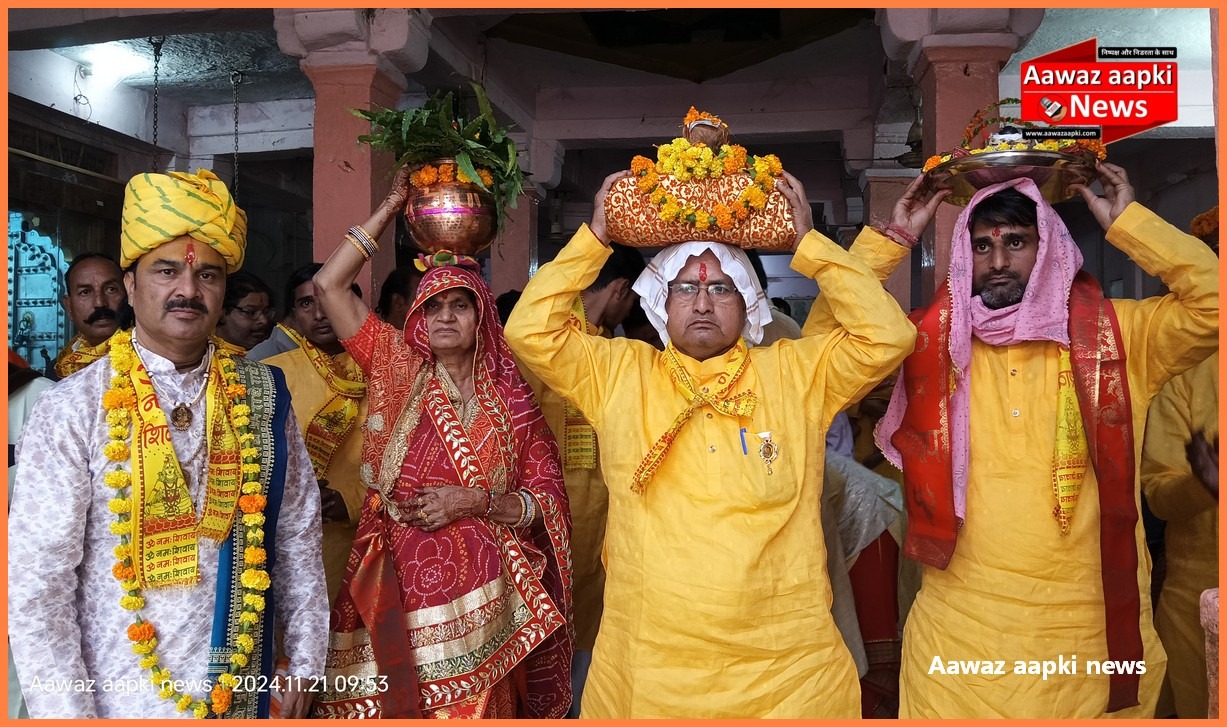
101 313
185 303
1003 273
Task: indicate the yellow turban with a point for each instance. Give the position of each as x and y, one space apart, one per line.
161 207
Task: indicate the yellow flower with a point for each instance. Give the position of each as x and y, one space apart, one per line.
240 421
256 580
158 677
246 437
252 488
670 211
228 680
254 519
184 702
701 222
245 643
149 661
239 660
121 358
131 603
118 417
166 692
249 452
240 410
119 505
200 711
122 551
250 618
117 479
250 469
256 602
144 647
254 556
121 527
116 451
128 585
118 432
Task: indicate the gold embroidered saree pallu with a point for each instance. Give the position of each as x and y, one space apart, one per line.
471 620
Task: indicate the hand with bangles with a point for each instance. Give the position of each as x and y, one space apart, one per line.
434 507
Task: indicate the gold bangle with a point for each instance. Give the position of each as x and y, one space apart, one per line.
358 246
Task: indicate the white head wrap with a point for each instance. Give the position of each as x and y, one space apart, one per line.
653 285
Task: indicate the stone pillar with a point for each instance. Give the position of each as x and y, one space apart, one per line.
956 81
349 179
882 189
355 59
955 55
513 256
1209 621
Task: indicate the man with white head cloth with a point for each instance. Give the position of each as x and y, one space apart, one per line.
717 598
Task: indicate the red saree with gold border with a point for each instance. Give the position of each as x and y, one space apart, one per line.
473 620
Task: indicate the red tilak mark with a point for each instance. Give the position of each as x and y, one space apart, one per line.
190 256
702 272
996 232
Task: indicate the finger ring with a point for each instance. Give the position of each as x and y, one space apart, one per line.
422 514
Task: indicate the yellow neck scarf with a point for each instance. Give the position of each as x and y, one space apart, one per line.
741 405
1070 454
70 361
579 438
331 424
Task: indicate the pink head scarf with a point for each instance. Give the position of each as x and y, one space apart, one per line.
1042 315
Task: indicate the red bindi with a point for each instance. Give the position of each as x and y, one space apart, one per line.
996 232
702 272
190 256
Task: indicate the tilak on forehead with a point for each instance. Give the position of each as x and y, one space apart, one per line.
702 272
189 257
996 231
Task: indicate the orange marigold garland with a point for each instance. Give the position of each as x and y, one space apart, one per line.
120 402
430 174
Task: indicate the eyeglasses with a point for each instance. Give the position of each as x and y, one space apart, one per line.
251 313
719 292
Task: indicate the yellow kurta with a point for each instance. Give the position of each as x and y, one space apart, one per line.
1016 589
717 597
589 501
308 393
1187 404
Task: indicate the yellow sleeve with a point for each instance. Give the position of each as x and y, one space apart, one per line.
870 336
577 366
876 250
1171 490
1166 335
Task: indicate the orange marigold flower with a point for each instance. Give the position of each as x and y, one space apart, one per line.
740 210
122 571
447 172
734 159
221 699
931 162
118 399
486 177
252 503
142 631
253 555
641 164
774 165
694 115
648 182
724 216
425 176
236 391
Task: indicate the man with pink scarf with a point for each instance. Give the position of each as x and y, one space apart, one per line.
1033 547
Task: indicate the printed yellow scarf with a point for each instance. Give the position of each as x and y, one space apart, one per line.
579 438
741 405
332 423
70 361
1070 454
164 526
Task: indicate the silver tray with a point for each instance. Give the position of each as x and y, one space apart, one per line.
1052 172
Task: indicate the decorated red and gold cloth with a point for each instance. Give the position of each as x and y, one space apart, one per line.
473 620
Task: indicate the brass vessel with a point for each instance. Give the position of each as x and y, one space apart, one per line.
454 216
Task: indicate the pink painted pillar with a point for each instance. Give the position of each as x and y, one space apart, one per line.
514 251
956 81
883 188
349 180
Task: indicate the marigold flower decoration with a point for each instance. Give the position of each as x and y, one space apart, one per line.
986 117
120 402
431 174
688 162
1206 223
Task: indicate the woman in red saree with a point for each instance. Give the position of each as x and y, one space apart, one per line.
456 598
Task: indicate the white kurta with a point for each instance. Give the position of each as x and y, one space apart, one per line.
68 633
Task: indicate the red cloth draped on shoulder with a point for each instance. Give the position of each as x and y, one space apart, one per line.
448 616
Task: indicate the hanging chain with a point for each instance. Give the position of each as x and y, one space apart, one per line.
236 78
157 65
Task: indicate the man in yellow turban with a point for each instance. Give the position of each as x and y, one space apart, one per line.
184 501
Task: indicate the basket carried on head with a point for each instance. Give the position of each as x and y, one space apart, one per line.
701 187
